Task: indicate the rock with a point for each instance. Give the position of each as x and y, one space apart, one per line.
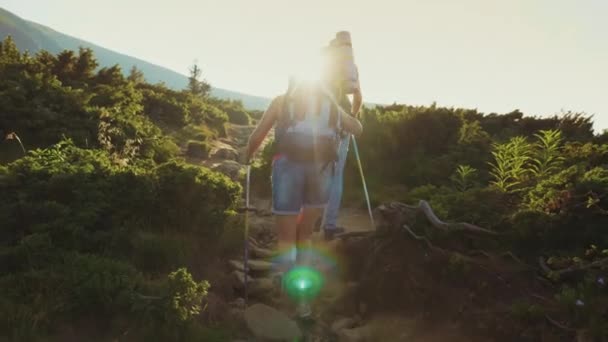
362 309
238 303
254 285
225 152
268 323
239 278
262 285
359 334
252 265
227 141
260 252
237 315
343 323
216 310
228 167
254 242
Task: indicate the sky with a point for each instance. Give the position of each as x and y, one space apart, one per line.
539 56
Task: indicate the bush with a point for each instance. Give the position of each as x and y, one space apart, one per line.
158 253
199 199
235 111
165 149
239 117
198 149
169 314
76 285
92 227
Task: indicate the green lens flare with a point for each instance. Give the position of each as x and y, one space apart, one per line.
303 283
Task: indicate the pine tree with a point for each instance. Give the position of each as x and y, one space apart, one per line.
136 76
65 65
8 51
85 65
195 86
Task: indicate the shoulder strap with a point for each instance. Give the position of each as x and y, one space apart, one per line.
335 119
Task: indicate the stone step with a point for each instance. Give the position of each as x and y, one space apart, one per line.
268 323
255 286
239 277
253 265
260 252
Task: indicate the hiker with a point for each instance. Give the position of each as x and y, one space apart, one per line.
308 122
330 218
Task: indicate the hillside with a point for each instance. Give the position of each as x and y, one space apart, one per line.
34 37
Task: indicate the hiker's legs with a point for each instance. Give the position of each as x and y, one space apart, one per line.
304 234
336 189
286 236
288 181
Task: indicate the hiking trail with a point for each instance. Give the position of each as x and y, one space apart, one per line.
338 313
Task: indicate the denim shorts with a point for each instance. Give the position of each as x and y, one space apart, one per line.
297 185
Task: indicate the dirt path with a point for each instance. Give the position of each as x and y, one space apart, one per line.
338 317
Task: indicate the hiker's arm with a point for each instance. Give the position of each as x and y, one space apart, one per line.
350 123
263 127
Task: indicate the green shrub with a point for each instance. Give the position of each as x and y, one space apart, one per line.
261 170
199 198
165 149
76 285
198 149
235 111
239 117
201 137
586 305
158 253
169 313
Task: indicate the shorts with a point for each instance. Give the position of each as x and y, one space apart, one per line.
297 185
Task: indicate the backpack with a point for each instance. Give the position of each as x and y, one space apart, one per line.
309 127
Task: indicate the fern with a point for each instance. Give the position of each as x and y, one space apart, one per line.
547 154
464 177
511 164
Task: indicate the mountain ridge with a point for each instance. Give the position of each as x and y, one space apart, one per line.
32 36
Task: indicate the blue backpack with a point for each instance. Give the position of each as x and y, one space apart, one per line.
309 126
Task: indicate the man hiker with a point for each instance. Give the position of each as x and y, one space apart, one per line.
330 219
308 123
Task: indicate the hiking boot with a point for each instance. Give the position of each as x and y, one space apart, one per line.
330 234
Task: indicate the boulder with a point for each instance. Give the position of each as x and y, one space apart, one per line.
267 323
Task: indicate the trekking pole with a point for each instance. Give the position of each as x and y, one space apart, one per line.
369 206
246 250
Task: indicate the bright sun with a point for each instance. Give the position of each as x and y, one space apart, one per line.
306 66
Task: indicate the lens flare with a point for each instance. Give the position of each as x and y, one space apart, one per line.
303 283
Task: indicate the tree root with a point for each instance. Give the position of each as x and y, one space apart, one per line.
559 325
439 250
569 270
428 243
425 207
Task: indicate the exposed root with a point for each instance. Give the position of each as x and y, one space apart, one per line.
428 243
573 269
543 265
559 325
425 207
439 250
